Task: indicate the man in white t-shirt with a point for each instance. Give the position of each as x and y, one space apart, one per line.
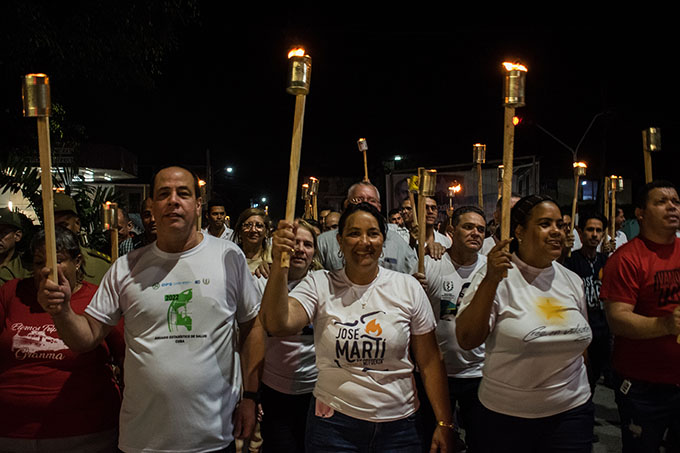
446 280
182 298
492 240
397 255
217 216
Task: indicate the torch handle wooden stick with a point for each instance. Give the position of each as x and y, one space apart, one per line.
480 190
612 224
47 196
508 151
114 244
295 148
414 211
421 233
365 167
648 166
606 207
315 208
573 208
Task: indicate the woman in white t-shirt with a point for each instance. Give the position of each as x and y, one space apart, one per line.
531 313
366 320
289 364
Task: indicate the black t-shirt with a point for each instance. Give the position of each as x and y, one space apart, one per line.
590 271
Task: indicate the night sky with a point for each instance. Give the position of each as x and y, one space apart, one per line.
424 83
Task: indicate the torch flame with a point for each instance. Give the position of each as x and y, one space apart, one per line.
580 164
297 52
514 67
455 188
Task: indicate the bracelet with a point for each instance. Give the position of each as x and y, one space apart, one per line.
447 425
255 396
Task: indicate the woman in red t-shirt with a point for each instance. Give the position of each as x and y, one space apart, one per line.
52 398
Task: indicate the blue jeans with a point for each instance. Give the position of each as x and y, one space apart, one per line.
646 411
570 431
347 434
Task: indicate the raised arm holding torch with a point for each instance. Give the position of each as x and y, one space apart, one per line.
479 157
363 147
110 222
427 182
299 72
651 142
513 97
37 104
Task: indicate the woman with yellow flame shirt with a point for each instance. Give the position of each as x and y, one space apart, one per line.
366 318
531 312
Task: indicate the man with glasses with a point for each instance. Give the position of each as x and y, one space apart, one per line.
397 255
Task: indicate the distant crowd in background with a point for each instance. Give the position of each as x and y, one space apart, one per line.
328 334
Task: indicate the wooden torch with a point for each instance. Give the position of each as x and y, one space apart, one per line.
304 196
579 170
501 175
513 97
35 93
110 223
413 189
427 183
363 148
607 188
615 185
313 192
479 157
651 142
299 74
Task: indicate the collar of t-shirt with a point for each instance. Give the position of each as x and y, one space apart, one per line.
530 273
191 251
359 290
656 247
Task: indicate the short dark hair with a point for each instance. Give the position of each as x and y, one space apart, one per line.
585 216
67 242
643 194
197 186
393 211
366 207
500 199
455 217
216 202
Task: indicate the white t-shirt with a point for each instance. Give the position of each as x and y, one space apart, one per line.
487 245
445 288
290 362
442 239
534 352
226 234
362 336
182 379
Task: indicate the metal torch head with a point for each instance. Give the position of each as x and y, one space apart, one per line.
35 93
479 153
580 168
617 183
299 72
427 182
304 192
501 173
110 215
651 139
313 186
362 144
513 88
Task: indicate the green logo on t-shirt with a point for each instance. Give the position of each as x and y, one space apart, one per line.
178 312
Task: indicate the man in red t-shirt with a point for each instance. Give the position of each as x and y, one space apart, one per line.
641 288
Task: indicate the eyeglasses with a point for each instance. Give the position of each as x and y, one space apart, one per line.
250 226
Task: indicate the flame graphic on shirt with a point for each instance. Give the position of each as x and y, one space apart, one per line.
373 326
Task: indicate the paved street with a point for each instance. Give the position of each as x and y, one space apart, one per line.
606 421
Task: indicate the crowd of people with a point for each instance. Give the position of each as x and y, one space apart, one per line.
321 335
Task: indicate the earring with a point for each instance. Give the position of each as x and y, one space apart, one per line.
340 254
